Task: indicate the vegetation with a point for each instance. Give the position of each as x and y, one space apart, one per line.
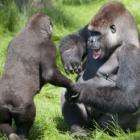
68 16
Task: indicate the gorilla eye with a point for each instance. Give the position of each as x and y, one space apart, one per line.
113 28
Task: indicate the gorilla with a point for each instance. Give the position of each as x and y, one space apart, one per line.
109 81
30 64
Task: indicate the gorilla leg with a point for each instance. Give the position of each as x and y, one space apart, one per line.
77 116
5 124
24 119
108 123
127 122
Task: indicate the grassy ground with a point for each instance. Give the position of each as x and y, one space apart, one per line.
69 17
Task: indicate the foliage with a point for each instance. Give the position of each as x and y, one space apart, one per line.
8 15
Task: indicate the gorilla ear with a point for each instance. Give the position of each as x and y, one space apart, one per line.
51 27
113 28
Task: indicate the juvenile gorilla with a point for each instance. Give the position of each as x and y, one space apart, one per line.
105 91
30 64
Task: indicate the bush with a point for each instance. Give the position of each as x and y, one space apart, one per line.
9 15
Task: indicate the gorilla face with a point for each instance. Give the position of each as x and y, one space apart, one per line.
104 31
48 26
104 41
94 43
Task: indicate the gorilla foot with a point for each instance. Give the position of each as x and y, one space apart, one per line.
78 133
14 136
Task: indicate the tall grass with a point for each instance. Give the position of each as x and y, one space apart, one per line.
9 16
11 20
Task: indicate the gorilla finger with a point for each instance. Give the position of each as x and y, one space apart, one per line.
66 69
70 69
79 69
75 67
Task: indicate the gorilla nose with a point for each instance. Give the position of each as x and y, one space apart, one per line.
93 42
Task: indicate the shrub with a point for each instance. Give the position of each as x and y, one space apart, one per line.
9 15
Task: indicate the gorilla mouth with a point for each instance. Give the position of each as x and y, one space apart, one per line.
96 53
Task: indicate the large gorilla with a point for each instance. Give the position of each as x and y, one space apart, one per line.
30 64
109 82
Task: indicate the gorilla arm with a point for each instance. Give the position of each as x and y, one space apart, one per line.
49 70
73 49
109 99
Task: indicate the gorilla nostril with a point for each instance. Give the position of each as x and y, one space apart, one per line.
91 41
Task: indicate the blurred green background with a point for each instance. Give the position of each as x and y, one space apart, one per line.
67 16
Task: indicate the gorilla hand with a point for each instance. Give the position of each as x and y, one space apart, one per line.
72 62
73 50
73 93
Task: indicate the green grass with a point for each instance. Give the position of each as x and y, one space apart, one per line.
67 16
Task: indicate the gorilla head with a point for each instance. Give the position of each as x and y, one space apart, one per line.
41 24
112 26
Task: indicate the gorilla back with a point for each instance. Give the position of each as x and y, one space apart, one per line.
30 64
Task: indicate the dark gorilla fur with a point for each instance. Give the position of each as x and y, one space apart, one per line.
30 64
109 82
